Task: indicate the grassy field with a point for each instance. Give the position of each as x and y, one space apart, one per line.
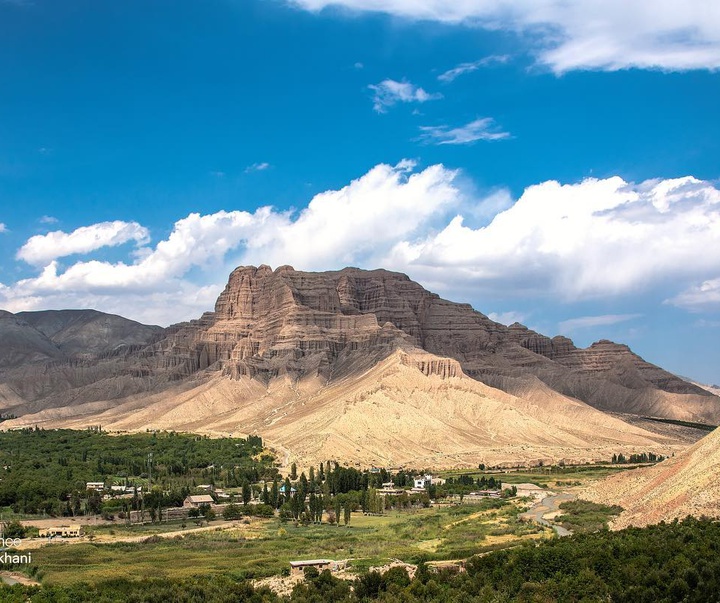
583 516
264 547
256 548
550 477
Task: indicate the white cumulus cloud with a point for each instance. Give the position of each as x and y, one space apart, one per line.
354 225
597 238
40 249
588 34
360 222
390 92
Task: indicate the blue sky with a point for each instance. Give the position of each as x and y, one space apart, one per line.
556 165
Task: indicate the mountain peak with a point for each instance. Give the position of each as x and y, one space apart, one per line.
282 332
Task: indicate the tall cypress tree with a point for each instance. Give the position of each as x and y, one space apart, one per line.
274 494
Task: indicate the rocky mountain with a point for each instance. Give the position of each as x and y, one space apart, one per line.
285 322
21 344
88 333
285 348
686 484
50 357
411 408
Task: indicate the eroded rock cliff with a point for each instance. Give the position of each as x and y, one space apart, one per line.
325 326
269 323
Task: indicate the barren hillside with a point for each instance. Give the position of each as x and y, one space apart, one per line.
412 408
686 484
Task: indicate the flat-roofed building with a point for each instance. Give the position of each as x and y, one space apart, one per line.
297 567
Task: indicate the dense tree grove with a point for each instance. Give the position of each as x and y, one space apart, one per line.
45 471
483 482
663 563
644 457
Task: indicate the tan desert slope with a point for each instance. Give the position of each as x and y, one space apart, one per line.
412 408
686 484
357 365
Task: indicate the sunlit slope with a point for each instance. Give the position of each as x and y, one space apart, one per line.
411 408
686 484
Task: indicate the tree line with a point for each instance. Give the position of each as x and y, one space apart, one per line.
644 457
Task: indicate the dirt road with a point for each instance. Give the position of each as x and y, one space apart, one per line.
35 543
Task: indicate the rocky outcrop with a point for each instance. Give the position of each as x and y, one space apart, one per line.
287 324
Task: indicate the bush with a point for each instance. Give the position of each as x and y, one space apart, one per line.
207 512
310 573
14 529
232 511
262 511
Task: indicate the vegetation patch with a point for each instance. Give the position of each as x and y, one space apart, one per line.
666 562
584 516
47 471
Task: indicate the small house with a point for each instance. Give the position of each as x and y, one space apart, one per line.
390 491
97 486
297 567
195 500
64 531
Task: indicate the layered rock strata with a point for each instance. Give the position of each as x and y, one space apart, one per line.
268 324
324 328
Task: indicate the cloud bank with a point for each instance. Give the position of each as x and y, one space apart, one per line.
597 238
592 34
568 242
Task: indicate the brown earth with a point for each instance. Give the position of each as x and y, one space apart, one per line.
686 484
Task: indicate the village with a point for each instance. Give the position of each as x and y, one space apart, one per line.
212 510
208 502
